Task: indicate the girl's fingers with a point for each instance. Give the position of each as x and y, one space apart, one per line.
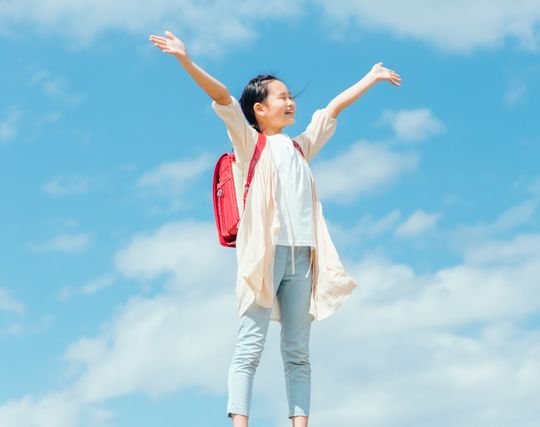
169 35
164 48
160 43
388 74
157 38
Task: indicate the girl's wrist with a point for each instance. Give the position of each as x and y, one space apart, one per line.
183 58
371 77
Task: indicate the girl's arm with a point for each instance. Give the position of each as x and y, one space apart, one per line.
174 46
377 74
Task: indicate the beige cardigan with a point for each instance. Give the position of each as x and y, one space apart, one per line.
259 224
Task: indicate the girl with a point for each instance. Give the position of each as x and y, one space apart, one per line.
288 267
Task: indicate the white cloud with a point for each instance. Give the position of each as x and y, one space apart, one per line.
63 409
521 215
153 346
396 300
516 215
359 170
365 228
19 124
460 26
440 379
198 302
171 179
129 357
413 125
56 89
9 303
208 27
419 222
522 83
14 328
384 224
89 288
515 93
522 248
534 187
63 243
8 126
186 251
215 25
496 282
66 185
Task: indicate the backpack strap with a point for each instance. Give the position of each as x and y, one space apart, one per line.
297 146
261 143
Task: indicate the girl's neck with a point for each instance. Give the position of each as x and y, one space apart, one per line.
271 131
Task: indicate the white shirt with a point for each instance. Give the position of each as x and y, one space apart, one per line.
295 204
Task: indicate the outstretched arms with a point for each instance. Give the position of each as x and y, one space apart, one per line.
174 46
377 74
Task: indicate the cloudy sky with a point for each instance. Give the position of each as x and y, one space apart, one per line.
116 302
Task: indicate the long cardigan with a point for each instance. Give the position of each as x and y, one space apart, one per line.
259 224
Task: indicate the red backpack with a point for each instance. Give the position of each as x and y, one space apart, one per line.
226 188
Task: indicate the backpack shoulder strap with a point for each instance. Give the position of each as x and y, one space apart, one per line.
261 143
297 146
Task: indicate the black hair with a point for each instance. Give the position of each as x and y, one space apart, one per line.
255 91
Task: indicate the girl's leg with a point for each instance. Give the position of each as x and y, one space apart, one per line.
251 338
294 297
239 420
298 421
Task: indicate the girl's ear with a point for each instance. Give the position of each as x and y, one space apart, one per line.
258 109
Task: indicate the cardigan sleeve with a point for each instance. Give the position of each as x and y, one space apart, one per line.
241 134
318 132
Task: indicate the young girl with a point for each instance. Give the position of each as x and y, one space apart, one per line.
288 267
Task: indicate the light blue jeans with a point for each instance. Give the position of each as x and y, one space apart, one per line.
292 287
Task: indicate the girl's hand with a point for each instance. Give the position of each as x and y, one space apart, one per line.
170 44
381 73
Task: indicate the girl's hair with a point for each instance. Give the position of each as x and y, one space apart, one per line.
255 91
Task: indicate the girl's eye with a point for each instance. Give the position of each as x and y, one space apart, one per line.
285 97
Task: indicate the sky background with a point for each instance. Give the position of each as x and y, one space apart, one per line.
116 301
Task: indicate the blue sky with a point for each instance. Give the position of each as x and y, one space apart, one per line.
116 302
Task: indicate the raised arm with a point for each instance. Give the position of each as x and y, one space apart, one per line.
377 74
174 46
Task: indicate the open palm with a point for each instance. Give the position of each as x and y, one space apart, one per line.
381 73
169 44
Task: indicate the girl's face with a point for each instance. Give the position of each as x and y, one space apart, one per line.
277 110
